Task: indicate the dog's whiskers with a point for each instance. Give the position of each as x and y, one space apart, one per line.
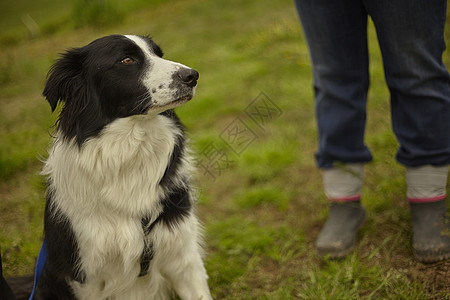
140 104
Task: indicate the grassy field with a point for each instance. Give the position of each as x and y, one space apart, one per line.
261 200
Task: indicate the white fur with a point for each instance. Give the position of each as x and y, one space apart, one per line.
104 189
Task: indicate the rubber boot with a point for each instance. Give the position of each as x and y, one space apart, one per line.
338 236
431 231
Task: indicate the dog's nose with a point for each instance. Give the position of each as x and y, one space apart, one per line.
188 76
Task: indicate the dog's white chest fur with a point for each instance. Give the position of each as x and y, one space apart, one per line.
120 170
104 189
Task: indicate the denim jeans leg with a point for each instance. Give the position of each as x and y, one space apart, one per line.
411 38
336 31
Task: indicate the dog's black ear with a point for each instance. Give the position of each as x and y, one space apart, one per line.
64 77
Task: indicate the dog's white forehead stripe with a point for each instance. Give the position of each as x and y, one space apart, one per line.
141 43
149 53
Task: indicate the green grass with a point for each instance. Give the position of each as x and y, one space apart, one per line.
264 208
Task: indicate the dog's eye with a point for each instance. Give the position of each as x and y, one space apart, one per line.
127 60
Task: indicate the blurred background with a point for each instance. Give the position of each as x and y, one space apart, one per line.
253 131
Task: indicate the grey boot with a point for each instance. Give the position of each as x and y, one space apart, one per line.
338 236
431 231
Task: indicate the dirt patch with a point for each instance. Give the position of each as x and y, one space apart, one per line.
435 278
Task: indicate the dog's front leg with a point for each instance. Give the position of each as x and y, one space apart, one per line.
190 282
183 264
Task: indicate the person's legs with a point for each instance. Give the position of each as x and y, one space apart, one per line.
411 38
336 32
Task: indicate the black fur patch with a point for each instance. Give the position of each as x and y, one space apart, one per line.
177 152
177 205
62 256
177 202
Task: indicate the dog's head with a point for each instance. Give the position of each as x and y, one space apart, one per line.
115 77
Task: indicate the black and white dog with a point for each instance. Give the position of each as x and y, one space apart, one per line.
119 221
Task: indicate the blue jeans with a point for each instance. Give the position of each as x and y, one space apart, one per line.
411 38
